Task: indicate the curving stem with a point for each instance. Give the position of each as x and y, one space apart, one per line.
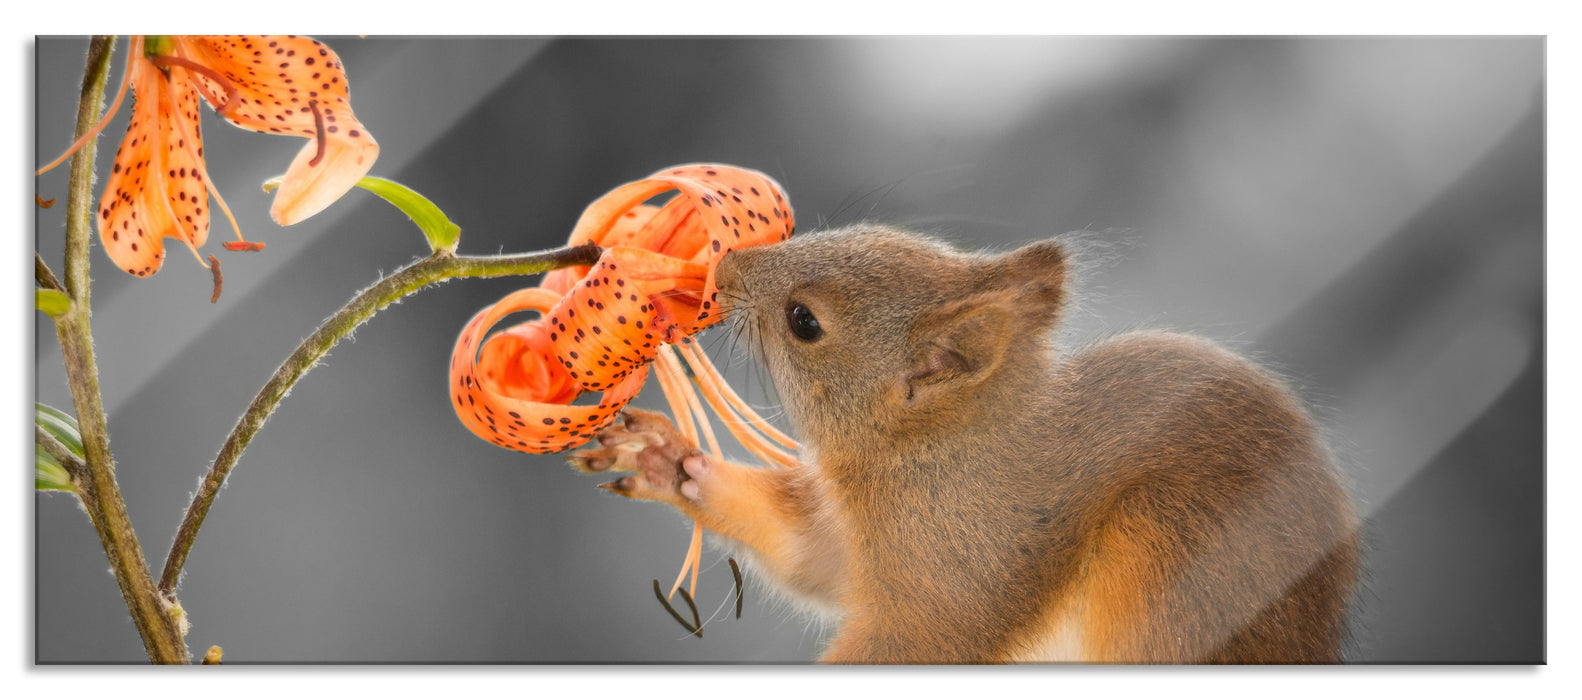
438 267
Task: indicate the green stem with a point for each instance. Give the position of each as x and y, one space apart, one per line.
101 496
43 275
438 267
46 442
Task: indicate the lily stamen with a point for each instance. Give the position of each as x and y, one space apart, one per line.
135 48
231 91
219 279
743 425
203 168
168 95
678 378
318 133
196 254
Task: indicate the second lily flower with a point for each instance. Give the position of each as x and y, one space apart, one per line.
159 185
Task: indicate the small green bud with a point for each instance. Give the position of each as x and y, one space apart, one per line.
51 302
441 232
48 474
438 228
59 425
157 45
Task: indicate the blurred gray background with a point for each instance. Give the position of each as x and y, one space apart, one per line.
1364 215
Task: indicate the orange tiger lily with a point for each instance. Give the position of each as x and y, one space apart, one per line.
159 187
601 327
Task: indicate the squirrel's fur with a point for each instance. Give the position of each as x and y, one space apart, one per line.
969 493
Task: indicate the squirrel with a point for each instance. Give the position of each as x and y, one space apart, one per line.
968 492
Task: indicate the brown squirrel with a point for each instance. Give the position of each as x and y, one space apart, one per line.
969 493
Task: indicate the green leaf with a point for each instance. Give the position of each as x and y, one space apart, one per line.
54 303
59 425
438 228
48 474
441 233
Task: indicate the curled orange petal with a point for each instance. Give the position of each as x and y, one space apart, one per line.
525 408
625 231
615 319
717 209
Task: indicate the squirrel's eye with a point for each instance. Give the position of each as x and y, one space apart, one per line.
803 324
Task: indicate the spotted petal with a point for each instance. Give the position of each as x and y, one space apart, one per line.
156 187
288 85
719 208
625 230
612 323
737 208
528 411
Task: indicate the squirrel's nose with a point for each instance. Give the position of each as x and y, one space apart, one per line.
727 274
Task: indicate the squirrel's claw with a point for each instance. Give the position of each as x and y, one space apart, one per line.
591 461
623 486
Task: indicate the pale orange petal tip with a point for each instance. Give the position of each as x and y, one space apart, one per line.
309 188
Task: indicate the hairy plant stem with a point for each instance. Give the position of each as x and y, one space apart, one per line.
101 497
43 275
46 442
438 267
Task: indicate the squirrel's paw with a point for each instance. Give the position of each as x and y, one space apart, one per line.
697 469
646 444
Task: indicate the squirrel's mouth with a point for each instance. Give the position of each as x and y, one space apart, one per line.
732 302
737 320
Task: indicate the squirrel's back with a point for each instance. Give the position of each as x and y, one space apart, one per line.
1210 521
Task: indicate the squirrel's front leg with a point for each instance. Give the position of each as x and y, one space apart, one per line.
763 508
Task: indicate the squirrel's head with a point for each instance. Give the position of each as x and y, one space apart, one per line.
875 330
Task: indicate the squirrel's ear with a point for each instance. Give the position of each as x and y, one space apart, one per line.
1036 273
958 346
962 343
